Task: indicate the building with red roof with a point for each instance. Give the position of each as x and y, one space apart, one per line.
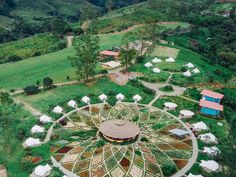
107 53
210 103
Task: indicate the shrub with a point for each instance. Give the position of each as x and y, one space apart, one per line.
61 45
37 53
14 58
104 71
12 90
140 59
183 69
47 83
32 89
167 88
26 164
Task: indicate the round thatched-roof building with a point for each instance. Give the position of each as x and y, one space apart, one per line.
119 130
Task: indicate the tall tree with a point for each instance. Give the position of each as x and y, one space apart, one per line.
86 57
127 56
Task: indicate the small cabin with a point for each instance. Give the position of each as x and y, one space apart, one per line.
209 95
210 108
107 53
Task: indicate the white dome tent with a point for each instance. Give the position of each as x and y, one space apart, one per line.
137 98
120 97
148 65
170 105
210 165
45 119
208 138
37 129
42 170
189 65
156 60
103 97
170 60
187 74
86 99
72 103
58 110
199 126
211 151
186 114
156 70
31 142
195 71
191 175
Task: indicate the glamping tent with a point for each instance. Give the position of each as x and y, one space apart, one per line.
37 129
103 97
211 151
156 60
156 70
208 138
148 65
186 114
58 110
191 175
86 99
195 71
72 104
31 142
137 98
120 97
187 74
170 60
199 126
170 105
210 165
45 119
189 65
42 170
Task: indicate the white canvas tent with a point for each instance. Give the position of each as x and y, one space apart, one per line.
31 142
137 98
45 119
195 71
156 70
120 97
212 151
170 105
187 74
186 113
191 175
210 165
208 138
199 126
156 60
37 129
42 170
189 65
58 110
170 60
102 97
148 65
86 99
72 104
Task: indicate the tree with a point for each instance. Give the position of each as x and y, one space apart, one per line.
5 98
126 56
58 26
32 89
14 58
86 57
47 83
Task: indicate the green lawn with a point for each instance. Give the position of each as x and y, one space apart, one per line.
45 101
55 65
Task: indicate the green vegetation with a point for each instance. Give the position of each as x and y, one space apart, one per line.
60 95
33 46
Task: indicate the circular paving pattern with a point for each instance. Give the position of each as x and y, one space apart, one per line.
157 152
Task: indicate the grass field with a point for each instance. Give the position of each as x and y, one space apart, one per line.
25 48
45 101
54 65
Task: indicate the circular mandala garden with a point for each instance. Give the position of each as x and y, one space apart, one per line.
156 151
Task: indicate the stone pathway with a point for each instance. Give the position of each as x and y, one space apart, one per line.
3 171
